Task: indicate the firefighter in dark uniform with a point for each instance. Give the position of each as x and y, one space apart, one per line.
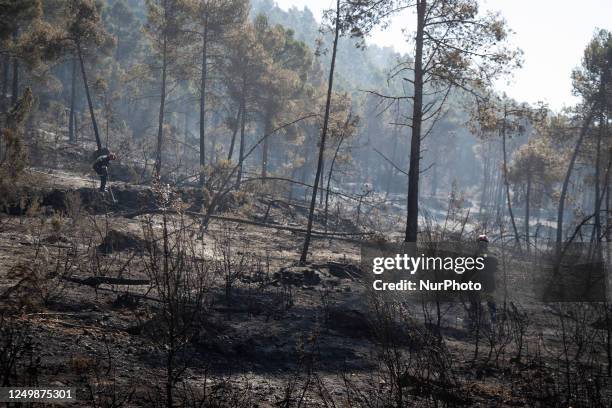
100 165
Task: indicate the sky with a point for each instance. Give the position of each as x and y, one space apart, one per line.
551 33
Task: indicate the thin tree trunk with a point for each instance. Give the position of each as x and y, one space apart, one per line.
89 101
76 127
169 377
330 84
213 147
5 80
71 137
564 187
527 209
517 238
291 187
485 181
608 337
329 177
597 218
234 133
160 124
168 286
391 171
15 90
185 134
203 101
308 143
412 207
242 125
322 180
264 151
607 186
107 114
307 155
499 193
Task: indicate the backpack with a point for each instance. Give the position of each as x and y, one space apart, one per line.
100 152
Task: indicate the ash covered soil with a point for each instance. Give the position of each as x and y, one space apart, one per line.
80 308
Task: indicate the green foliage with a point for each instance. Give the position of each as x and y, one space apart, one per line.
537 163
16 15
15 155
121 22
166 21
593 80
85 28
288 62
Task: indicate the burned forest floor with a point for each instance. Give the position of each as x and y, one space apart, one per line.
90 298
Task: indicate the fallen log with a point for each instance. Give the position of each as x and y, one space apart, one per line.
243 221
288 228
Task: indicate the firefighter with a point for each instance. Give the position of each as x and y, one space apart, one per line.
100 165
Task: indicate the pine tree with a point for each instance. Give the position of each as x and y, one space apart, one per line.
17 17
212 20
86 35
167 20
